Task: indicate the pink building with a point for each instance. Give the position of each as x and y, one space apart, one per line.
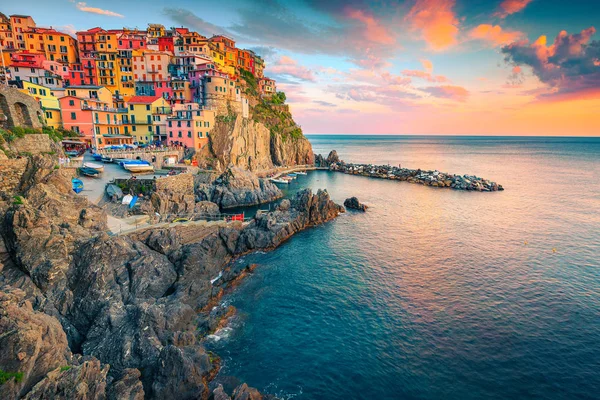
35 68
77 116
151 66
189 125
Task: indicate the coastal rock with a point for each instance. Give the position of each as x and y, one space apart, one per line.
332 158
86 381
236 187
130 303
244 392
354 204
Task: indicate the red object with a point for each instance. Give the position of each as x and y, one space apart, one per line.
195 163
237 217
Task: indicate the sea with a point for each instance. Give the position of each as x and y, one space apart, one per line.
432 293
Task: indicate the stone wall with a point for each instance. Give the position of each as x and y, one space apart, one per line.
158 158
11 172
19 109
33 144
182 183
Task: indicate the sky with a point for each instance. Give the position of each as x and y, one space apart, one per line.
441 67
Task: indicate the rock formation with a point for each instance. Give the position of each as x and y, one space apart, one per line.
354 204
87 315
236 187
331 159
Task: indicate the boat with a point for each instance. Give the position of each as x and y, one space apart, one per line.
97 157
106 159
113 191
147 167
278 180
75 155
97 167
126 161
89 172
301 173
77 185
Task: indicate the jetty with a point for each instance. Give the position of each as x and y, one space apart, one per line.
428 178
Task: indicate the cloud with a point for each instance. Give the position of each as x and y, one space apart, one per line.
508 7
69 29
356 34
190 20
436 22
427 74
457 93
494 34
374 31
324 103
266 52
286 68
81 6
568 67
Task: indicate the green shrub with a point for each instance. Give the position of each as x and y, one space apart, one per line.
65 368
17 200
5 376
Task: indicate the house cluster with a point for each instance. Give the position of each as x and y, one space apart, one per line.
121 86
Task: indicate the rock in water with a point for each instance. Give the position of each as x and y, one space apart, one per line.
354 204
332 158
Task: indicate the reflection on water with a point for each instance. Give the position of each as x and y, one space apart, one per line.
434 293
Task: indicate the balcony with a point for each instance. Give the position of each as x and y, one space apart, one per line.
106 109
88 66
163 110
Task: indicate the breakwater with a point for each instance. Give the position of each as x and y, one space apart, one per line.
427 178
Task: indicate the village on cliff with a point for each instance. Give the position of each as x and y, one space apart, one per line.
125 86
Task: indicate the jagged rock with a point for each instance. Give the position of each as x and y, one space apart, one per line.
244 392
332 158
181 371
86 382
32 343
219 394
129 302
354 204
128 387
237 187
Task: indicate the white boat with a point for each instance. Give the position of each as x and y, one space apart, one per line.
276 180
134 168
97 167
301 173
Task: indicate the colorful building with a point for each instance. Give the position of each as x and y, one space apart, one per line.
20 24
91 92
34 68
76 115
47 99
147 117
55 45
189 125
267 87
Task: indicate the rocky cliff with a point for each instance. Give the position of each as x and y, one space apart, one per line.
268 138
86 315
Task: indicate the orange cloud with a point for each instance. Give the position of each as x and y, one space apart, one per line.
436 22
287 67
516 69
457 93
427 65
427 74
374 30
494 34
508 7
81 6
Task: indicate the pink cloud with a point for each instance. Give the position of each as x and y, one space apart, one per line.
508 7
427 65
494 34
427 74
457 93
81 6
436 22
288 67
374 31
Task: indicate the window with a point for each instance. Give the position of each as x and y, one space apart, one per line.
189 134
170 134
71 102
48 115
149 129
73 116
62 38
199 134
131 107
134 128
179 134
170 124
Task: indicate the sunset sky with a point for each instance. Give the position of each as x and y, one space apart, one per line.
447 67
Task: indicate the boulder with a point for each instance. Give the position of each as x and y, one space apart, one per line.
354 204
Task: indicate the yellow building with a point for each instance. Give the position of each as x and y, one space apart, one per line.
92 92
145 117
20 24
109 121
47 99
156 30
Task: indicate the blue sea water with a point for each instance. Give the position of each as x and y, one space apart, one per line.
433 293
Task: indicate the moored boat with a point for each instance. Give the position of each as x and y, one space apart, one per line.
89 172
97 167
301 173
135 167
278 180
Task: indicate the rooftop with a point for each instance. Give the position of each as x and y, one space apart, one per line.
143 99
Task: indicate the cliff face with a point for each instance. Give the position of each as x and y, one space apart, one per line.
268 138
118 317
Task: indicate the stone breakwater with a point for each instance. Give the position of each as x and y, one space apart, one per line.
427 178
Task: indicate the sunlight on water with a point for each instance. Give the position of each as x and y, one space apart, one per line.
434 293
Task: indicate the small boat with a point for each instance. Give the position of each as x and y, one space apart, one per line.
147 167
97 167
277 180
97 157
89 172
106 159
77 185
124 161
113 191
301 173
133 201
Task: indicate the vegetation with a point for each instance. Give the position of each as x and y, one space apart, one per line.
5 376
57 135
17 200
65 368
251 83
278 98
